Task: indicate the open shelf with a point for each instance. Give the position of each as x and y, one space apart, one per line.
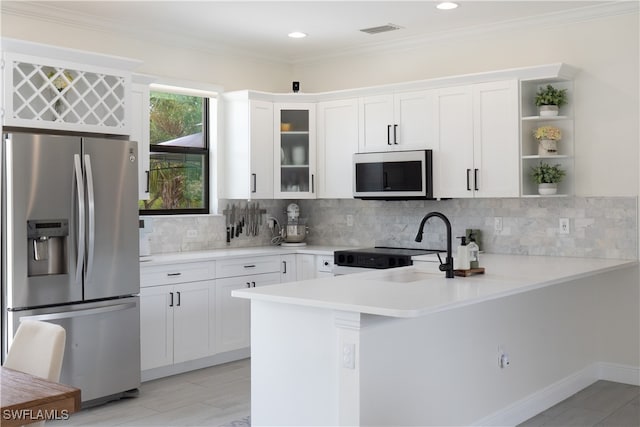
530 121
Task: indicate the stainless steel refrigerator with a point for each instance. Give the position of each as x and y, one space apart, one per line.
70 253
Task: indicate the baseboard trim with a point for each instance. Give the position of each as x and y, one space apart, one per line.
619 373
205 362
545 398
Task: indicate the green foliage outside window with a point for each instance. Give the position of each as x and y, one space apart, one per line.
178 158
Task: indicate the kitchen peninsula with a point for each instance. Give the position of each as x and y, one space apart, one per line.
409 347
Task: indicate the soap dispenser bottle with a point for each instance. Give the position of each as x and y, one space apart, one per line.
473 250
462 258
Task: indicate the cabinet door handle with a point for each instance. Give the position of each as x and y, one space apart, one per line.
174 274
313 183
395 134
178 299
254 284
248 285
148 178
171 299
284 267
388 134
468 183
475 179
255 183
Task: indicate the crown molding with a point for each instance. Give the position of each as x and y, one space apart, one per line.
48 13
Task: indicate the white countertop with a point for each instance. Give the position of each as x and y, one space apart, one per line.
213 254
412 291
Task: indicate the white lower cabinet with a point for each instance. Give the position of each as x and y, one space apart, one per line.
175 319
187 311
233 314
312 266
288 268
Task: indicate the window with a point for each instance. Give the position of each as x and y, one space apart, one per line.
179 155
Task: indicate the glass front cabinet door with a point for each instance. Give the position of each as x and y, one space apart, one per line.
295 151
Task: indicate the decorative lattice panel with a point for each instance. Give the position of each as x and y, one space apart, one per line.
64 96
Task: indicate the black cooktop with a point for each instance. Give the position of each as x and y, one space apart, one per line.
379 257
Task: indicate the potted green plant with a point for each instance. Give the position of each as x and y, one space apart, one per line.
549 100
547 137
547 177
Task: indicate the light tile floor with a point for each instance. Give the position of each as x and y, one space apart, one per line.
603 404
221 394
206 397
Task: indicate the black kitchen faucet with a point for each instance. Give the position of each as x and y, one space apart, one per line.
446 266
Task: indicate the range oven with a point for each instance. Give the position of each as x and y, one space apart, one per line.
358 260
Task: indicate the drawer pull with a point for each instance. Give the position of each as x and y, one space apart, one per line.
249 266
174 274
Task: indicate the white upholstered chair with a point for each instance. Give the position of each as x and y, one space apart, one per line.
37 349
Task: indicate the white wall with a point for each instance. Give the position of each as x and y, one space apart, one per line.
606 51
159 59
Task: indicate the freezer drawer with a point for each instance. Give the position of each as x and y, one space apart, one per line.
102 351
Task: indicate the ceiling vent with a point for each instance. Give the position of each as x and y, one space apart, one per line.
381 29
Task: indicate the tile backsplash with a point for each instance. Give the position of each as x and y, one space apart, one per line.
184 233
600 227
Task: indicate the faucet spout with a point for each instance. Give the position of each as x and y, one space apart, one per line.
447 265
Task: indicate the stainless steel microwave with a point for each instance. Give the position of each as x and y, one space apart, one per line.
399 175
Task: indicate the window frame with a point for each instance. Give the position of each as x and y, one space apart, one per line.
205 152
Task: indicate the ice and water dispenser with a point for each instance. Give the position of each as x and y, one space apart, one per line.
47 246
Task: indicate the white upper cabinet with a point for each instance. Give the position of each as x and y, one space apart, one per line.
399 121
496 141
248 148
453 161
47 87
477 134
337 142
294 150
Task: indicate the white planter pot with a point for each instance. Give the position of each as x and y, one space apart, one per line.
547 189
547 147
548 110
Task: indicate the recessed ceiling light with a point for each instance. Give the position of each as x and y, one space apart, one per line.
297 35
447 5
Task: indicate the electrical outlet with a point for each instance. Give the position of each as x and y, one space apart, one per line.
349 220
192 234
349 356
564 226
497 224
503 358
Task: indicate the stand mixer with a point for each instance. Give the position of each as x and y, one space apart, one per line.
295 231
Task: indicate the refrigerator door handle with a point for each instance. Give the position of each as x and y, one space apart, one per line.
92 214
81 227
83 312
